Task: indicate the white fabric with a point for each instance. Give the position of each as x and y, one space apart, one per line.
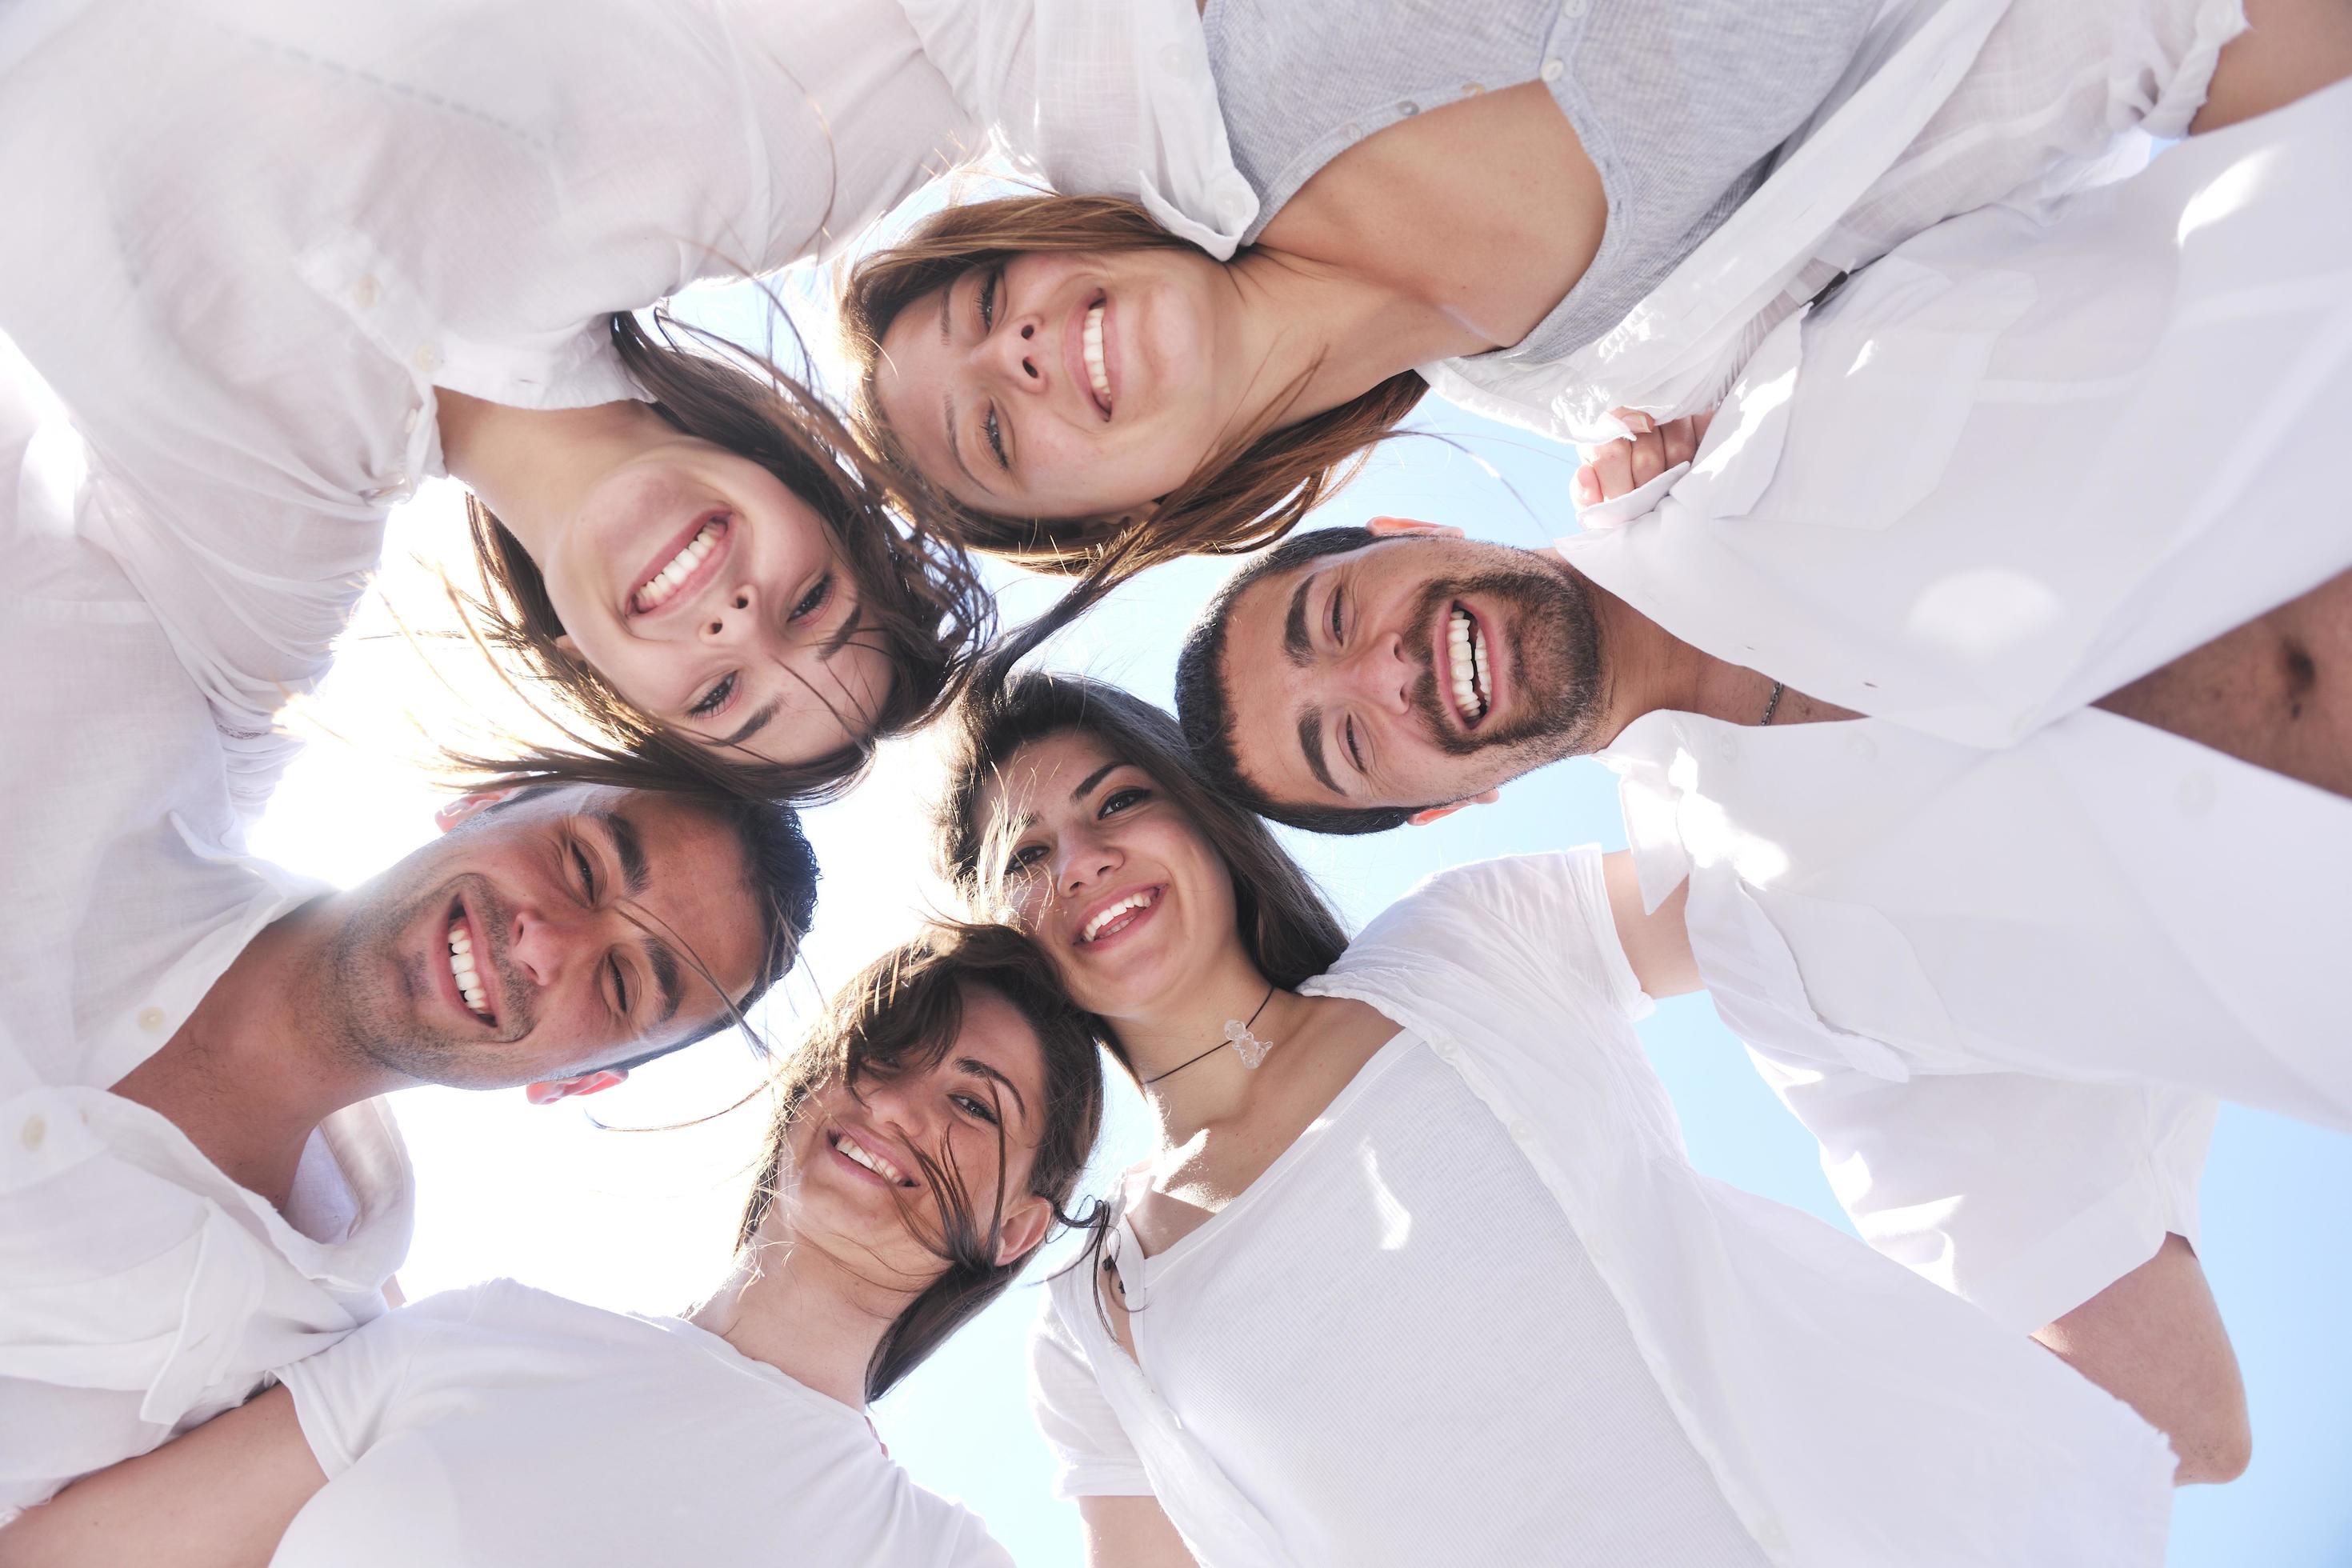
1537 1432
1851 1413
1953 103
140 1290
1979 488
260 261
499 1425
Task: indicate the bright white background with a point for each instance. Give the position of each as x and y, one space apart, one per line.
643 1220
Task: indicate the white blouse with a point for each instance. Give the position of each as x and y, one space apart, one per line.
1527 1429
501 1425
141 1290
272 229
1849 1413
1971 495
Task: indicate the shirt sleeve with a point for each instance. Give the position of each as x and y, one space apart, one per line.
2024 1195
356 1394
1092 1455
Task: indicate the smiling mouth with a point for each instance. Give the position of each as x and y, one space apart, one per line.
1117 915
1090 343
662 584
462 970
1465 642
851 1148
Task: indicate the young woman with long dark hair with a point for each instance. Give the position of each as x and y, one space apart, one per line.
1543 211
926 1136
1418 1271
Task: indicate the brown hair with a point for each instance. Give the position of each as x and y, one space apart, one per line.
1245 496
1288 929
920 595
901 1014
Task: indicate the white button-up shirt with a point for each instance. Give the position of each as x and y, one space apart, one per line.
1948 105
141 1290
1976 491
272 229
1851 1414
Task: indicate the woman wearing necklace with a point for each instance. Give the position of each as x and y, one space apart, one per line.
1434 1281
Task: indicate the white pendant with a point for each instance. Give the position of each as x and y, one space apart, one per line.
1251 1049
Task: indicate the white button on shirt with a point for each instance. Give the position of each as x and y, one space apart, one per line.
1841 1406
140 1290
370 200
1987 475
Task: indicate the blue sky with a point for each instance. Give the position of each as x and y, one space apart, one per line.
642 1221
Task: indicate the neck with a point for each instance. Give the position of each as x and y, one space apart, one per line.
805 1313
248 1077
1649 669
1316 335
534 467
1215 1088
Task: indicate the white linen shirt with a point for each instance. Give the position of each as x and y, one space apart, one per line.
272 229
1948 104
1967 497
1851 1413
140 1290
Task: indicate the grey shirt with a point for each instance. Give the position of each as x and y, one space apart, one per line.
1680 105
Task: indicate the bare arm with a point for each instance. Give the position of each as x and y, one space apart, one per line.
2289 47
1132 1532
1657 944
2154 1338
218 1497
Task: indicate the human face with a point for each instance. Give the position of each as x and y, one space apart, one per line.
716 600
563 981
1066 385
854 1185
1114 879
1413 672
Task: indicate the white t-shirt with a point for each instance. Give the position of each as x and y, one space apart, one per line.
1486 1402
502 1426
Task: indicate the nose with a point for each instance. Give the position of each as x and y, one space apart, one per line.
1013 356
547 942
900 1106
733 616
1088 859
1377 675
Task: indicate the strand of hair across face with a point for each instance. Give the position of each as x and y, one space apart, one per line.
1212 1050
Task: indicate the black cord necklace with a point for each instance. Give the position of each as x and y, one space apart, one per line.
1235 1035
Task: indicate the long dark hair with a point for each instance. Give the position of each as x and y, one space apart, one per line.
1288 930
901 1014
1248 494
917 594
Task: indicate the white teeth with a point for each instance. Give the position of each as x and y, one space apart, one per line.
1098 372
1104 916
874 1162
678 567
461 969
1467 643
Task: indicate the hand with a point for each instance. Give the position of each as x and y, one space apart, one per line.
1626 465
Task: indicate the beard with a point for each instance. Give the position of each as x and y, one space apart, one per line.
1556 665
369 999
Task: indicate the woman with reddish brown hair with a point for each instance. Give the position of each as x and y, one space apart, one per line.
1578 217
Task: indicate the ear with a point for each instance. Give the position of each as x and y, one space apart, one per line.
553 1089
466 806
1025 1220
1424 818
1397 527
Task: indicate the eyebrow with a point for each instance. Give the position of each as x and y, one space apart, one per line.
979 1069
636 875
1310 741
842 634
1086 785
754 724
1293 626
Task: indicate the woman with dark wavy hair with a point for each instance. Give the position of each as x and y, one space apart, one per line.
927 1135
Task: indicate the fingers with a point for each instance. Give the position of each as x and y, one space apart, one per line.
1612 465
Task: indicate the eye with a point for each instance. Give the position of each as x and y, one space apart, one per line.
587 873
620 986
976 1106
713 700
987 300
995 432
1335 612
814 599
1347 738
1021 860
1119 800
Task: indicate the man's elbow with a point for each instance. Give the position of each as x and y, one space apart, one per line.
2215 1449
